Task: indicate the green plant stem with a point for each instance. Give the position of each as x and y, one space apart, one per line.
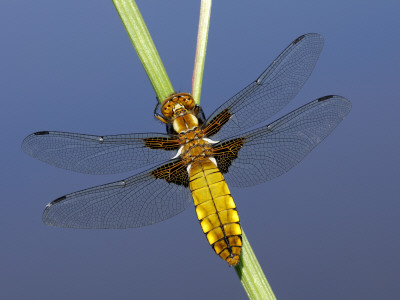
144 46
202 36
251 275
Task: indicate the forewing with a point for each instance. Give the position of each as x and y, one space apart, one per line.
273 90
93 154
143 199
268 152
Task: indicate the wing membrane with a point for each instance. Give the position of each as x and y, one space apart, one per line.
268 152
143 199
273 90
93 154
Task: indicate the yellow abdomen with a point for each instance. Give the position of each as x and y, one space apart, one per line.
216 210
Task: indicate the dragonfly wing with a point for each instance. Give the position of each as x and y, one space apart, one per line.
268 152
93 154
143 199
273 90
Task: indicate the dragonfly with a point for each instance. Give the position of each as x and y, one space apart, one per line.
197 156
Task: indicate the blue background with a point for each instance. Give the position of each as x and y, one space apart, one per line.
328 229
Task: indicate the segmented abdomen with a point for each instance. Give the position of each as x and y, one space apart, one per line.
216 210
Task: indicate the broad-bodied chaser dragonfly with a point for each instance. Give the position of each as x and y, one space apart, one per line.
198 155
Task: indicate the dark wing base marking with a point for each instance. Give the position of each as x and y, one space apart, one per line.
217 122
162 143
225 153
174 172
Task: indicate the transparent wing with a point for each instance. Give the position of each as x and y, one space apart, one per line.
93 154
273 90
143 199
268 152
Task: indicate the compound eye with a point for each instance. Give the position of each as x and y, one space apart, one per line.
167 110
189 103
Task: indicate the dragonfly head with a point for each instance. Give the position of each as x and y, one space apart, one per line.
179 112
177 104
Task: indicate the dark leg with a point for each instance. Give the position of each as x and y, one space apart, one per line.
170 128
200 114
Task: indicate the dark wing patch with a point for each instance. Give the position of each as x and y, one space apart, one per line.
173 172
217 122
225 153
164 143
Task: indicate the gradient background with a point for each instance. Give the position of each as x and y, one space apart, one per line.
329 229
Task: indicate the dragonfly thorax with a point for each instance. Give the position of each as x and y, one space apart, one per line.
184 122
195 146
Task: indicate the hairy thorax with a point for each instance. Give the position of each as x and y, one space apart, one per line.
195 146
